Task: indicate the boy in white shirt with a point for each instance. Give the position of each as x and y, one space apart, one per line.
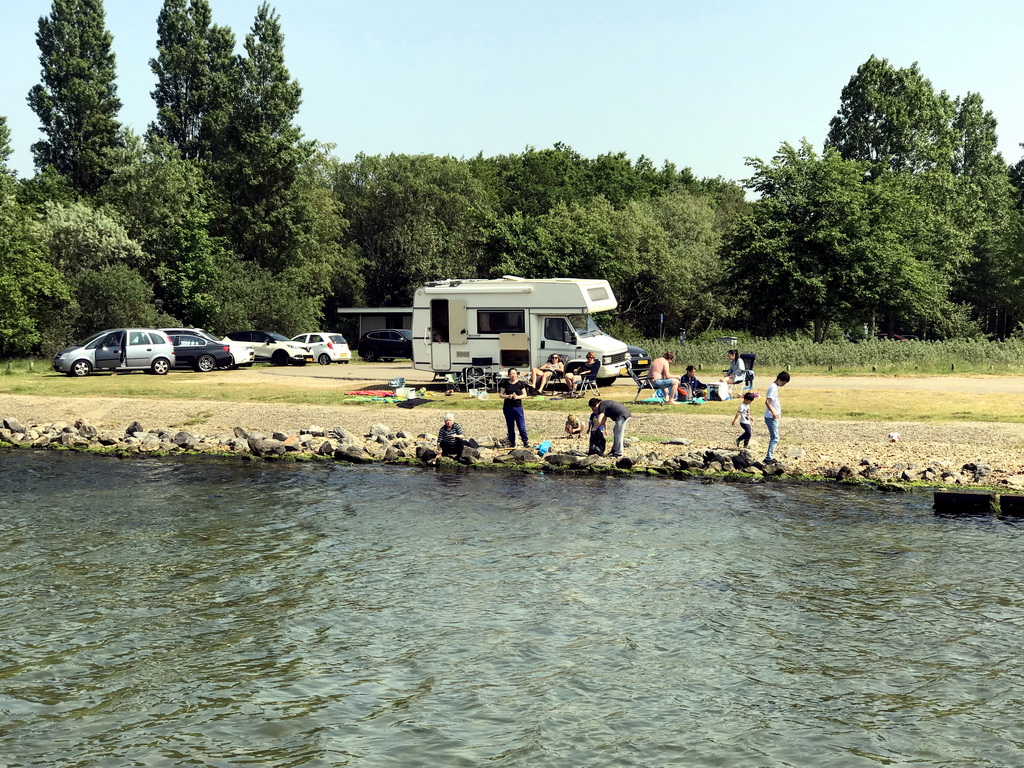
743 414
773 414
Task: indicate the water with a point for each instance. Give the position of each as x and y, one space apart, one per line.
161 613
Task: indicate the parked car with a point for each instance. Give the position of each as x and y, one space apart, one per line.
385 345
639 360
325 347
273 347
200 353
118 349
242 354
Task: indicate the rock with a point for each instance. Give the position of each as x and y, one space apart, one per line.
241 433
340 434
380 430
13 425
471 455
327 448
845 472
425 454
1015 481
624 463
751 469
910 475
315 431
185 440
392 454
562 460
676 441
280 436
353 453
133 428
795 453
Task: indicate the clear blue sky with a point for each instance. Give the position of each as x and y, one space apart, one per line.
702 84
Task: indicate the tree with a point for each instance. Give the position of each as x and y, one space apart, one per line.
414 218
262 151
77 100
821 246
115 296
194 67
162 200
31 290
80 238
892 119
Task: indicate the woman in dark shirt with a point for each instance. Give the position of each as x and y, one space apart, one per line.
449 437
513 392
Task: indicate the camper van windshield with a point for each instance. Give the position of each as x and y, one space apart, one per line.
584 325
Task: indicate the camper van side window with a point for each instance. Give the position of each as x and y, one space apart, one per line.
500 321
557 329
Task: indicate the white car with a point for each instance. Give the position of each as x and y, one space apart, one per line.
242 353
274 348
326 347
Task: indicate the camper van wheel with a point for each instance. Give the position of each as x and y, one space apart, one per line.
607 382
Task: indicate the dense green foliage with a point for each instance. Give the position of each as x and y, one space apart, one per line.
225 215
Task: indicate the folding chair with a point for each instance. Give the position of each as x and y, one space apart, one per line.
587 384
641 384
453 382
475 377
396 383
748 380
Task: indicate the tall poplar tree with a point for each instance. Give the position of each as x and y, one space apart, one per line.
258 163
77 99
193 67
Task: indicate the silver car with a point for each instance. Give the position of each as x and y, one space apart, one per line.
118 349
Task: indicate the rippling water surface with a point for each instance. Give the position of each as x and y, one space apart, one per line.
228 614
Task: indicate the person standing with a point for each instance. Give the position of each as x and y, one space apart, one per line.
662 378
773 414
617 412
743 414
513 392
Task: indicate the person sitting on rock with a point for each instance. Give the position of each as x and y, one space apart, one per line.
450 437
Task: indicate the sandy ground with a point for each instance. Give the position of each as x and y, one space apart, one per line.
824 443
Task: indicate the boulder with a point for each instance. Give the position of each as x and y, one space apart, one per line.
13 425
185 441
355 454
133 428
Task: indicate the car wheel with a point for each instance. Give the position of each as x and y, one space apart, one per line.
324 359
279 358
368 355
80 368
205 363
160 366
299 362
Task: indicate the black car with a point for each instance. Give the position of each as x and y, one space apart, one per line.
385 345
639 359
200 353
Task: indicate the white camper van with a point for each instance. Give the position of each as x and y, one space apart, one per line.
512 322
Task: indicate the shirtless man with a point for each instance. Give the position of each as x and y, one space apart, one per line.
661 377
544 373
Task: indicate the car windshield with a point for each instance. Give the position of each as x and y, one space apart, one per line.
584 325
93 338
277 336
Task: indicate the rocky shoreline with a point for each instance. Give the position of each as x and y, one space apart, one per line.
381 443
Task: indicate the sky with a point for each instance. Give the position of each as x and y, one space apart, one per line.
704 85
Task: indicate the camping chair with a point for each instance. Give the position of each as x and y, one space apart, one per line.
748 359
587 384
641 384
396 383
453 382
475 377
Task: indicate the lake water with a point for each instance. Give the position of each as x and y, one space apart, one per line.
208 613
